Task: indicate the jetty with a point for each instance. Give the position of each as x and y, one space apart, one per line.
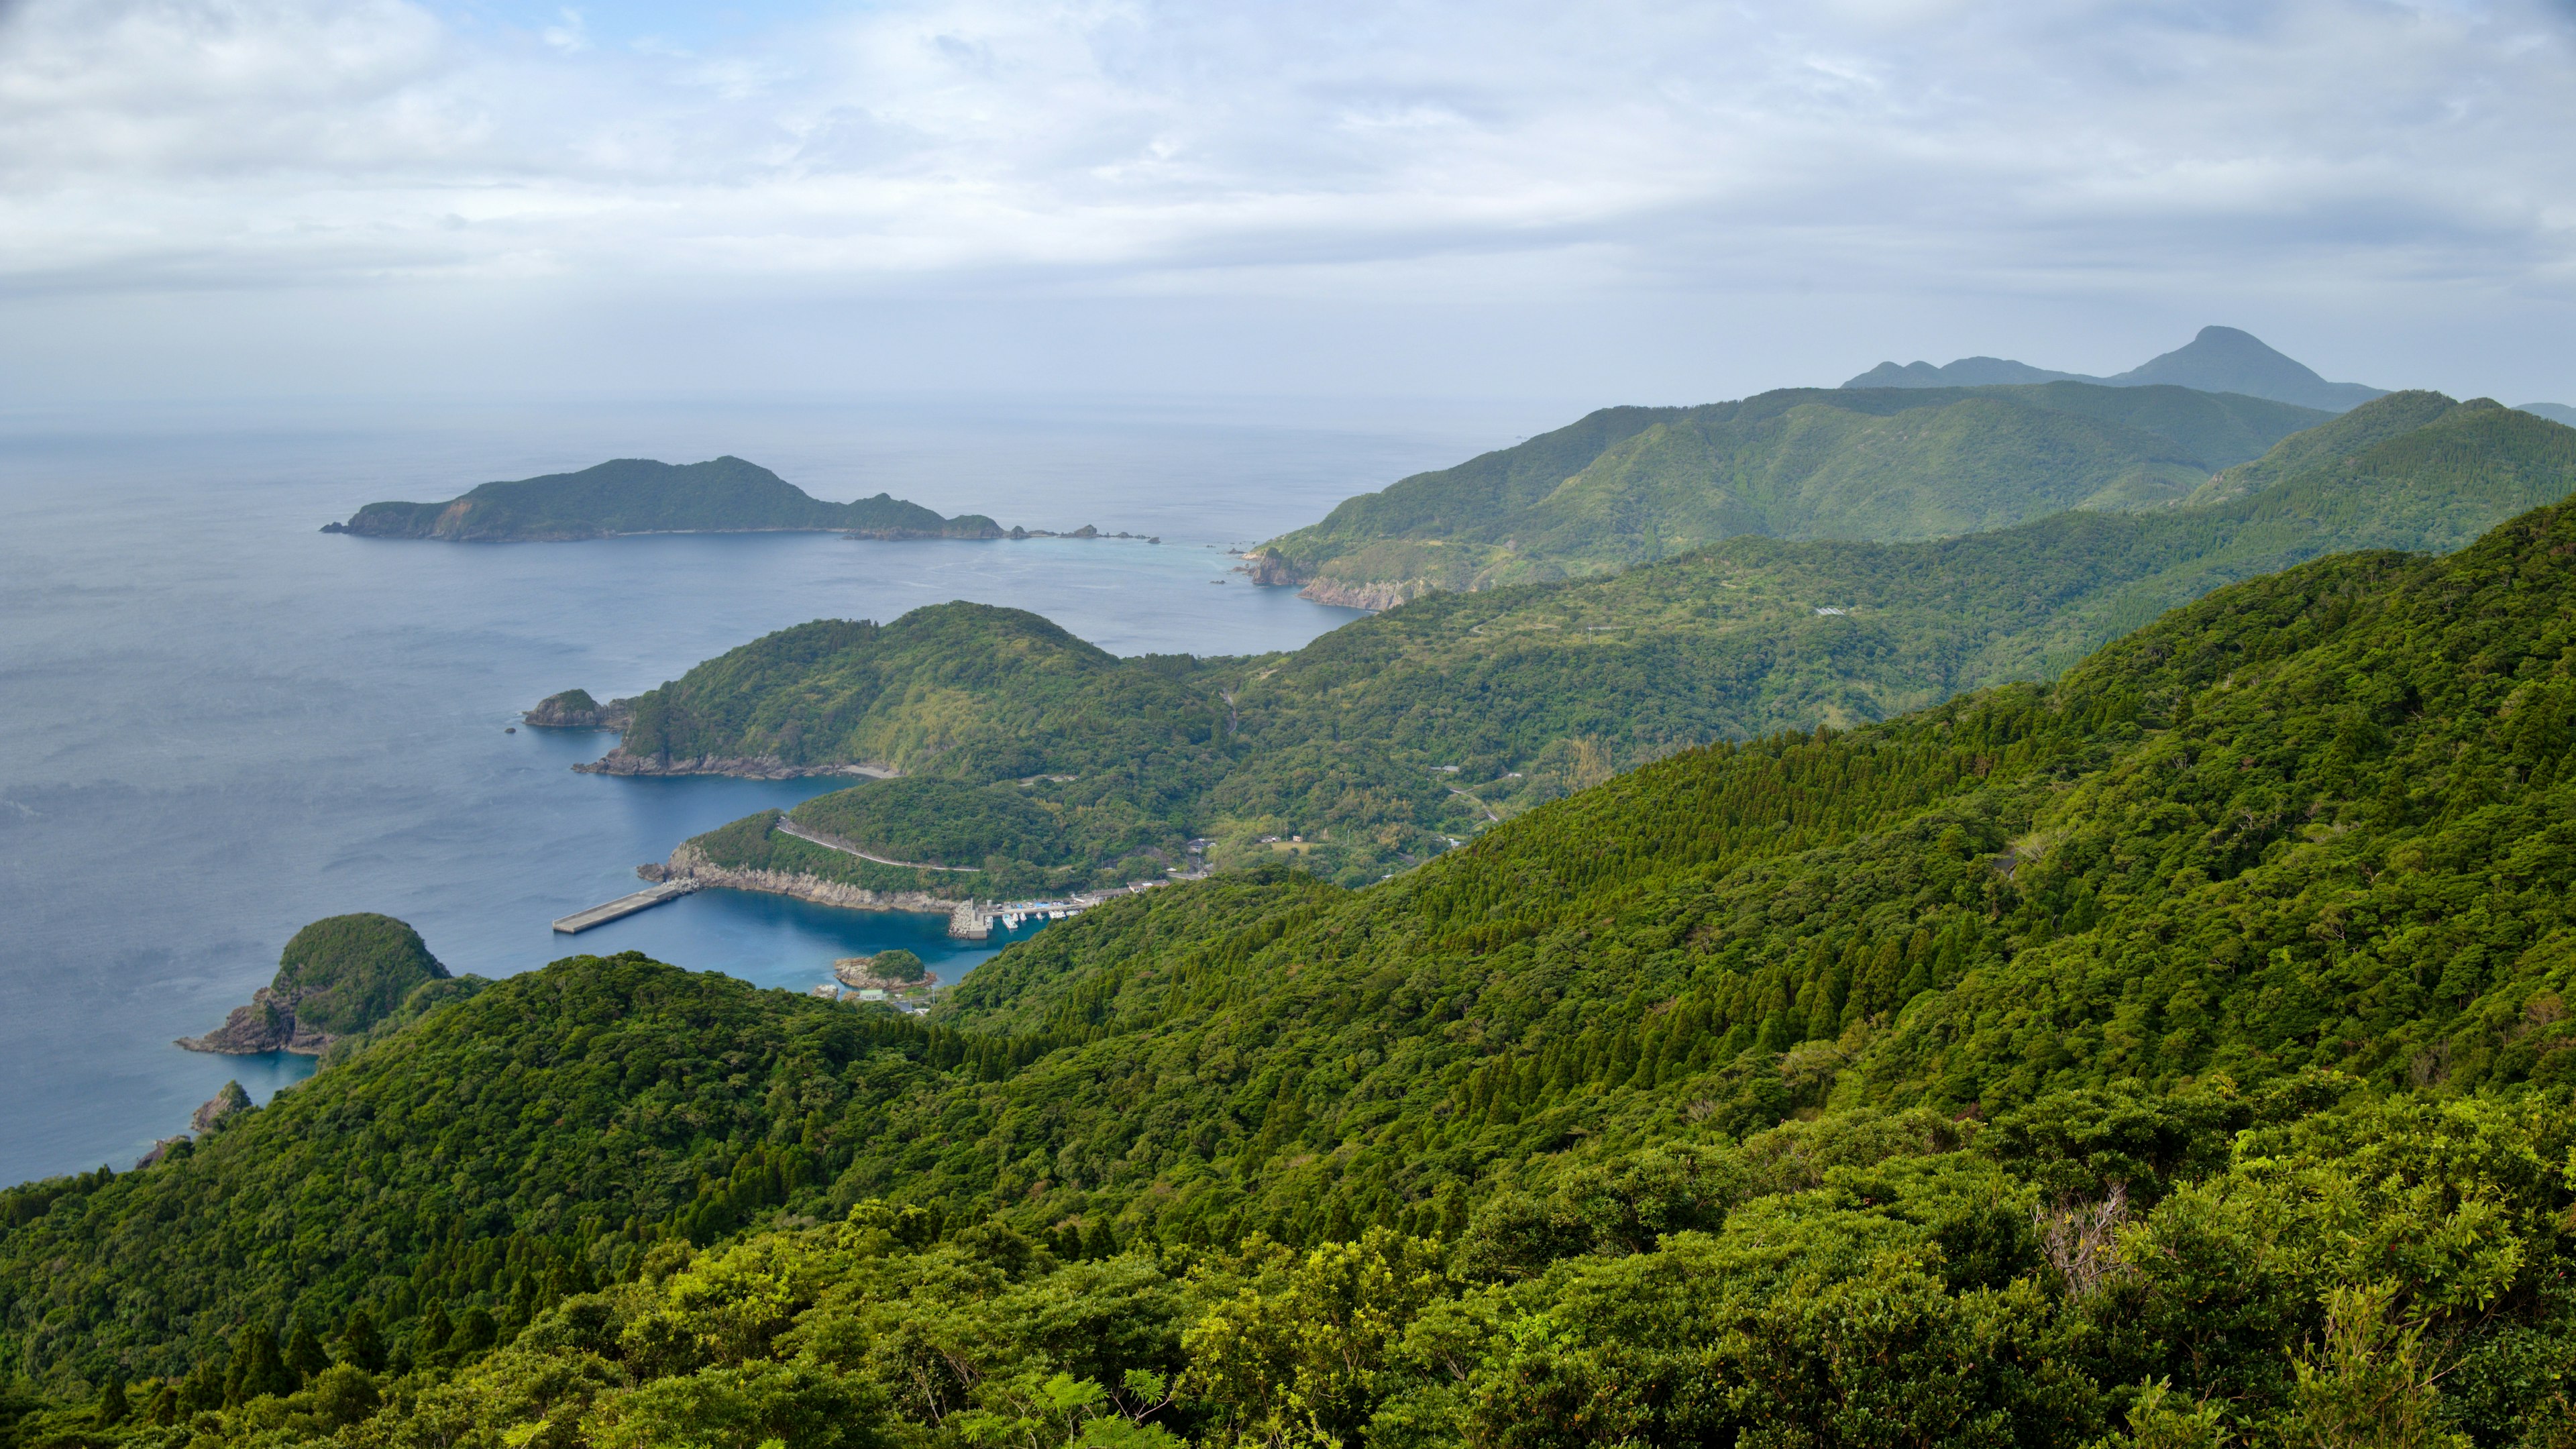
623 906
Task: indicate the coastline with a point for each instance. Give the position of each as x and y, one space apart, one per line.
687 862
742 767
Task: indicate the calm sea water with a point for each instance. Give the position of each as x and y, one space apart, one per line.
221 724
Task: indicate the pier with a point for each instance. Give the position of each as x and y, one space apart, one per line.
644 899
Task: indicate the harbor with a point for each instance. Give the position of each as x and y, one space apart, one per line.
624 906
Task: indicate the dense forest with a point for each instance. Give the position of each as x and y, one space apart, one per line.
2173 1054
1630 485
638 495
1383 741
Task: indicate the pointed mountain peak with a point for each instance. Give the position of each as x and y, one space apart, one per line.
2225 359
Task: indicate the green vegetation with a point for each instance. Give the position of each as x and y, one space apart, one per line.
638 495
896 965
346 973
2174 1054
1629 485
1384 740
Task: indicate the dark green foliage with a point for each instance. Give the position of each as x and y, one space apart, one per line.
896 965
2178 1052
1630 485
941 822
359 1344
527 1142
345 973
638 495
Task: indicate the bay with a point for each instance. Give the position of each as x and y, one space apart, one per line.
220 724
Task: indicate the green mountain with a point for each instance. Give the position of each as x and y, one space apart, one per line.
638 495
1630 485
2219 359
2555 412
2175 1054
1036 762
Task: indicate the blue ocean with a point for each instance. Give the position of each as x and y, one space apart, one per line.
221 723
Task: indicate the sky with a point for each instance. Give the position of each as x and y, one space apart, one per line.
279 202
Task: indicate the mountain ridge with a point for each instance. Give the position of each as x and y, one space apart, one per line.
2217 359
1628 485
1376 745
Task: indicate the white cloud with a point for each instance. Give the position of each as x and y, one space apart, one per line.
1406 149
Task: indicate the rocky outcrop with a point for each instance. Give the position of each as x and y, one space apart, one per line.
1363 596
223 1104
747 767
574 709
266 1025
690 863
1272 571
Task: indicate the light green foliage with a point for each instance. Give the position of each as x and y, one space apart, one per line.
638 495
1630 485
1528 693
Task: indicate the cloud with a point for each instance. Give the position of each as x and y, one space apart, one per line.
1399 149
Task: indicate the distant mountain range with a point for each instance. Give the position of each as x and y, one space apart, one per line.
2555 412
1626 486
639 495
2220 359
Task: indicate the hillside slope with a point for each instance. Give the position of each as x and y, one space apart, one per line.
1629 485
2177 1052
1384 740
638 495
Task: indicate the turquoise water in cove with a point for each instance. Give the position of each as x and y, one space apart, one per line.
220 724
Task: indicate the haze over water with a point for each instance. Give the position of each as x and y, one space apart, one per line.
222 724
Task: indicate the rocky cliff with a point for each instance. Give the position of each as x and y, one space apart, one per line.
223 1104
1271 570
748 767
690 863
268 1024
1362 596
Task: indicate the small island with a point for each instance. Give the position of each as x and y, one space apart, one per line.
574 709
892 972
338 977
639 495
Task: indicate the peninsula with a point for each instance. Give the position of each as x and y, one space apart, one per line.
1029 762
639 495
336 978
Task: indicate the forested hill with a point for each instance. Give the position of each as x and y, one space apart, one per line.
638 495
1385 739
2177 1053
1628 485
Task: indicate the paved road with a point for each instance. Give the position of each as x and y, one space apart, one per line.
843 846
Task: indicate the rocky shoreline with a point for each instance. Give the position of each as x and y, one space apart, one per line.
1373 597
746 767
687 862
268 1024
1269 570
